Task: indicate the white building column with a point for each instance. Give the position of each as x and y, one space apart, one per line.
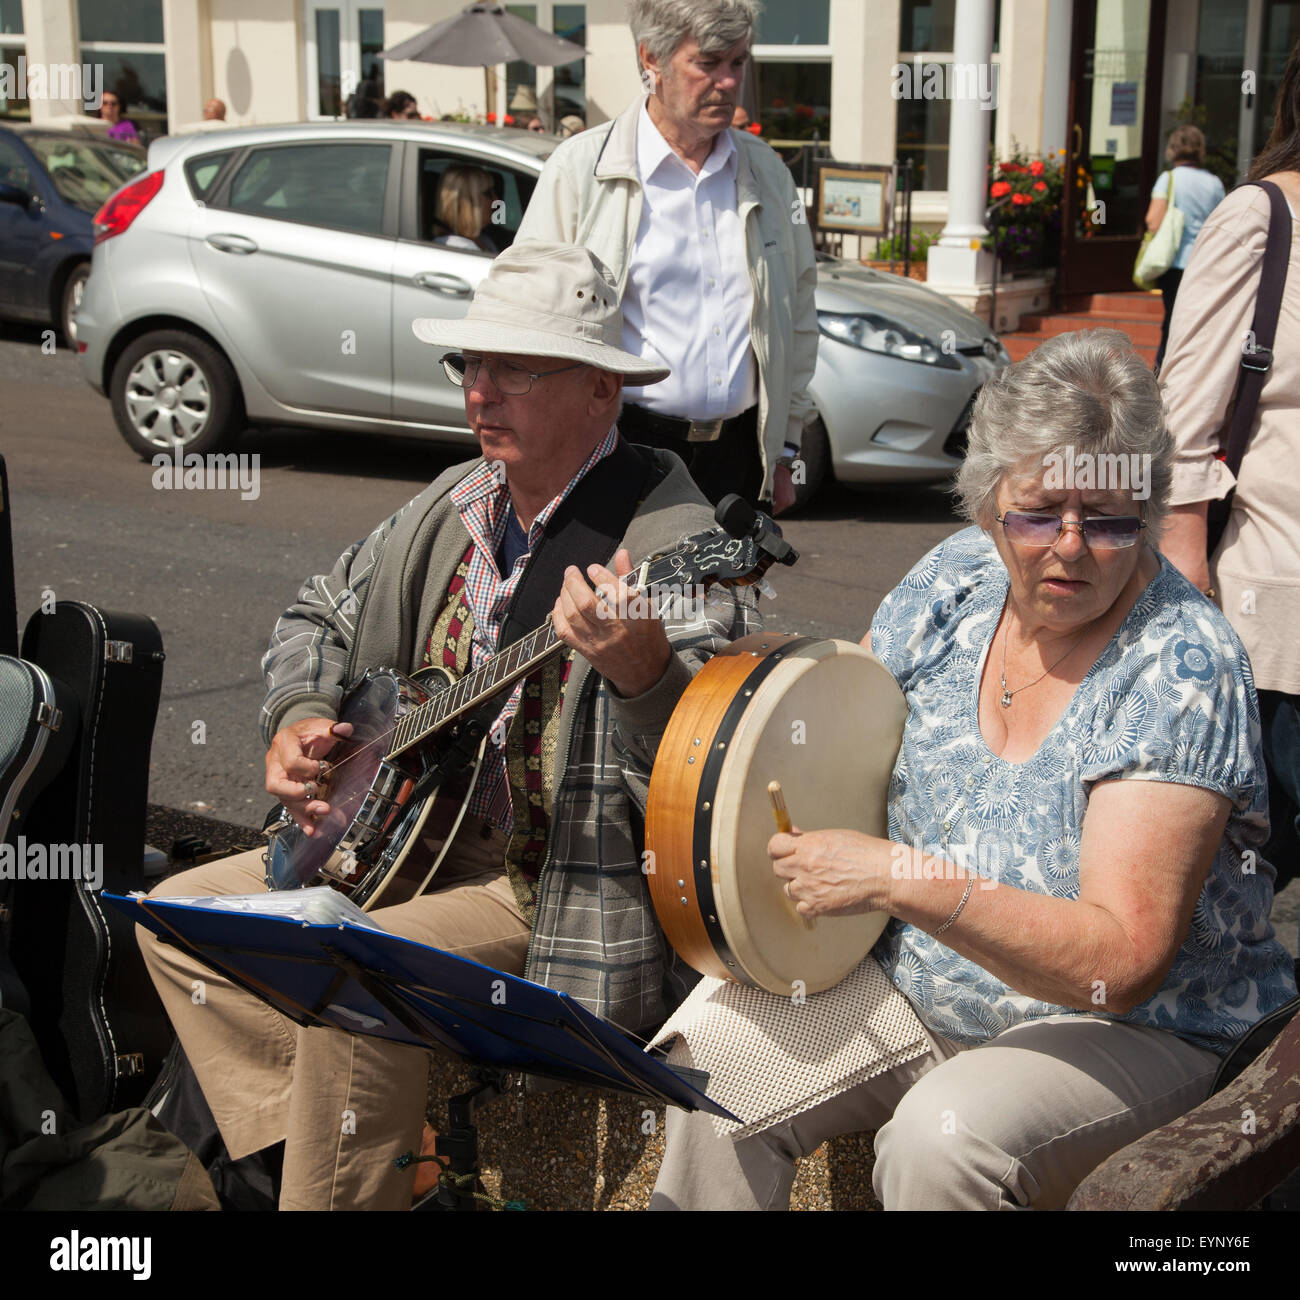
1056 76
187 60
51 30
958 266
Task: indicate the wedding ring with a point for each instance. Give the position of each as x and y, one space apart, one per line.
309 790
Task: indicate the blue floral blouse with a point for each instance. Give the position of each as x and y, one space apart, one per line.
1171 698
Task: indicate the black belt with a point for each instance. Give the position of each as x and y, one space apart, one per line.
636 419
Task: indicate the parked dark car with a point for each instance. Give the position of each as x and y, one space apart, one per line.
52 183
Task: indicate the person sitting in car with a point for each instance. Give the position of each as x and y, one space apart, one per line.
464 212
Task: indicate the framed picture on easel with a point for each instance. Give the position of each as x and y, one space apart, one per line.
853 198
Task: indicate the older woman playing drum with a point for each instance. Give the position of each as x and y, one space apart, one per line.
1082 728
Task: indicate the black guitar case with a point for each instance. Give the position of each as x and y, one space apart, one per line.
100 1026
8 595
38 726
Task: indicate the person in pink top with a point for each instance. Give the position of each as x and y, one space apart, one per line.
110 109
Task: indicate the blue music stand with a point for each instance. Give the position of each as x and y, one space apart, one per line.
347 973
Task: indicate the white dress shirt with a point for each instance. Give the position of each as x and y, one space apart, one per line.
689 299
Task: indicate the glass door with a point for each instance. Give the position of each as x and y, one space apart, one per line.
343 39
1115 151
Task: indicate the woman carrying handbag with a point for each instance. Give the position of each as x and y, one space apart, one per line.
1181 199
1231 384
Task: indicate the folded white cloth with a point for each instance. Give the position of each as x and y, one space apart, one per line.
770 1058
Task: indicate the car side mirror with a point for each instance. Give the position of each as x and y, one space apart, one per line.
15 194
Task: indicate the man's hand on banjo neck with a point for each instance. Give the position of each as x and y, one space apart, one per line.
623 640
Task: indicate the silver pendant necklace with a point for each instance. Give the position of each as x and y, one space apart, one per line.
1007 695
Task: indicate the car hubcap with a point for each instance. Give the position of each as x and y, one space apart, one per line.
168 398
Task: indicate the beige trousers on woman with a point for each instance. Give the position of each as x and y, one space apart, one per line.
1015 1123
345 1106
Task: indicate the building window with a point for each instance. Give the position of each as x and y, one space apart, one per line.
549 93
794 22
925 33
569 80
12 45
792 71
1281 30
1220 60
521 76
927 27
345 76
126 39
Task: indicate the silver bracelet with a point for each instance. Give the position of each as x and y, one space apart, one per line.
970 884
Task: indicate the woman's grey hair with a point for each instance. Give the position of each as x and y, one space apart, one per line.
1086 394
662 25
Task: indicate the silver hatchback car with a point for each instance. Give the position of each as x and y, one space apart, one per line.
270 276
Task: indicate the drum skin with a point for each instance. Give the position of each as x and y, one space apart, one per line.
825 719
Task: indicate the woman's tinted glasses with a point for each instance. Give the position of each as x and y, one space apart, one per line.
1102 533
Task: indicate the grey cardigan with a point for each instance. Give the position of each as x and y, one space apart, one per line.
595 935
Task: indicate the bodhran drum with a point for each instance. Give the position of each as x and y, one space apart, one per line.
825 719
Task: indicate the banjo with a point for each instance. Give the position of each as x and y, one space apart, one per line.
825 719
403 777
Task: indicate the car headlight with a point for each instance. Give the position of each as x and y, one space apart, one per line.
874 333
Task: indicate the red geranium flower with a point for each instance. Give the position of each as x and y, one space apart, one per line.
1021 199
803 110
999 188
1036 168
1011 169
491 117
1040 185
754 129
510 121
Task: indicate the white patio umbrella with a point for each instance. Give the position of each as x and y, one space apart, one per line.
485 35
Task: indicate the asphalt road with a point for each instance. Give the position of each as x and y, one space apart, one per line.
215 570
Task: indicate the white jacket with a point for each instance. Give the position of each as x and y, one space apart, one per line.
589 193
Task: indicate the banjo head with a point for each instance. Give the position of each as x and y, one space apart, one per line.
825 721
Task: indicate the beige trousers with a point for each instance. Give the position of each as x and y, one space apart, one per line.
1014 1123
345 1106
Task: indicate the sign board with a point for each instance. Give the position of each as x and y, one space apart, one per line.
853 198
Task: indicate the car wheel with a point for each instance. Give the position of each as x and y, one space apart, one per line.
170 389
813 464
70 299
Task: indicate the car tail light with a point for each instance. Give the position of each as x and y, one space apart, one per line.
127 204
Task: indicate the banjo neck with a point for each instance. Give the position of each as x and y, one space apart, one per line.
475 688
703 560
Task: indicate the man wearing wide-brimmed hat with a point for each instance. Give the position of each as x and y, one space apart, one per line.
547 879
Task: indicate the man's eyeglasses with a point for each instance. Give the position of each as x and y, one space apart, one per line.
1103 533
511 379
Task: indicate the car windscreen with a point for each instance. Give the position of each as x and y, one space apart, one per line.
128 163
80 175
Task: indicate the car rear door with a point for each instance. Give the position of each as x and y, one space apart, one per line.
430 279
294 253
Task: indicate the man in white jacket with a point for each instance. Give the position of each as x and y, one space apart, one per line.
709 244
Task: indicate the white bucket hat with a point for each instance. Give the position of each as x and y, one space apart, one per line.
545 300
